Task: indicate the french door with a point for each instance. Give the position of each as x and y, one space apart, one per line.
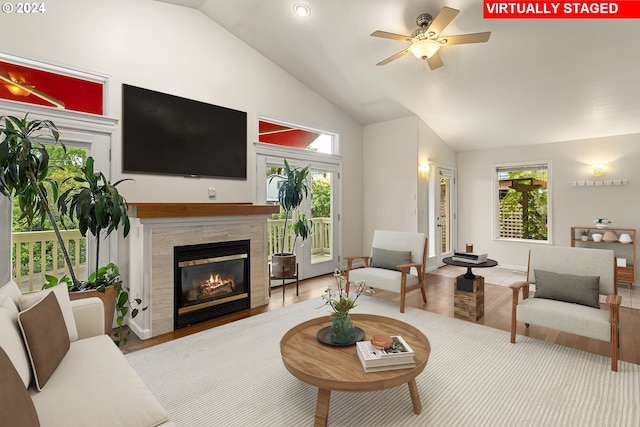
318 254
446 225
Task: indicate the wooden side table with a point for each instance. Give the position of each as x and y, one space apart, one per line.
337 368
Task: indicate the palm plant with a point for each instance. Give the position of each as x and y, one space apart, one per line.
24 171
291 193
100 209
96 204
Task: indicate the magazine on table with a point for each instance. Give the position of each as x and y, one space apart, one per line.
385 364
399 348
400 352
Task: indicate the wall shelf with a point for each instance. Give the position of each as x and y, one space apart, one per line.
600 183
625 274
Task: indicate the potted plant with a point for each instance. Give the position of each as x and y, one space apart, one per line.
584 234
100 209
24 171
293 190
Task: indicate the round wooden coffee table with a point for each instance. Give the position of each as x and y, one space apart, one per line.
338 368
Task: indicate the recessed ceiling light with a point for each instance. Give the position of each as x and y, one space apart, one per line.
301 9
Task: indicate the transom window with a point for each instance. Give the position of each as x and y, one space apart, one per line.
295 137
522 202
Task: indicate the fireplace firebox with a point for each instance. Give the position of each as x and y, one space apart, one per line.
211 280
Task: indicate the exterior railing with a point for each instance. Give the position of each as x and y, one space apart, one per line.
40 247
320 236
44 256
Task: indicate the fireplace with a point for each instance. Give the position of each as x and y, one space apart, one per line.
211 280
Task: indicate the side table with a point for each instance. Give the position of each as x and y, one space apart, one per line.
468 295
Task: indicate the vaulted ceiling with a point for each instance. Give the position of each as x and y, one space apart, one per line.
535 81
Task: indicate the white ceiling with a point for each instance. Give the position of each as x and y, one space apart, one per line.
535 81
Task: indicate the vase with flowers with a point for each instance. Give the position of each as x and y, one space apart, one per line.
601 222
342 328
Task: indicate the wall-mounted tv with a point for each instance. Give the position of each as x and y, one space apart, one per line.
167 134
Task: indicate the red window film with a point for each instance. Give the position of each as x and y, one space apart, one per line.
34 86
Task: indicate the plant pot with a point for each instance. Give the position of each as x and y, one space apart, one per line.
108 298
283 265
584 238
596 237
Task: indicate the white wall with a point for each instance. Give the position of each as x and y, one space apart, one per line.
180 51
395 195
572 206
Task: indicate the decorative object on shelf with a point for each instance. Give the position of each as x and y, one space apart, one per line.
596 237
469 247
601 222
584 234
625 238
609 236
342 328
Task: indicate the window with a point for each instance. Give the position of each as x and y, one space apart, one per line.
271 132
522 208
36 83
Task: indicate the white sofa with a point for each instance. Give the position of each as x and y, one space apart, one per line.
93 384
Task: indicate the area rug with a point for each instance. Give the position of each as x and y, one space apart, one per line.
233 375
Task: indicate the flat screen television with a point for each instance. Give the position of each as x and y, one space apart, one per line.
167 134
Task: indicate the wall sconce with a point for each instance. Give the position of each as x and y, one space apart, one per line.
424 169
598 169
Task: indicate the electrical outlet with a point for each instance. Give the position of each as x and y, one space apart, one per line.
212 193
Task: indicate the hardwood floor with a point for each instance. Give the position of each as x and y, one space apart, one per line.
497 314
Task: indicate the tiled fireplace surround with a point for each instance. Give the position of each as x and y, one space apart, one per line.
157 227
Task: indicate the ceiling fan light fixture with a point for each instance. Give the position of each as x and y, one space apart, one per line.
301 9
424 49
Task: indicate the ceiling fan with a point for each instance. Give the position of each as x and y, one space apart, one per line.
427 39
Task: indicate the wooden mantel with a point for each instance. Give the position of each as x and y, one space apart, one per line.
172 210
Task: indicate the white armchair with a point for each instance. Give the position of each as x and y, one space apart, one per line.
397 263
569 282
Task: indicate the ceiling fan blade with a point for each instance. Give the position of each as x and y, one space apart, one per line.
393 57
444 17
435 61
392 36
465 38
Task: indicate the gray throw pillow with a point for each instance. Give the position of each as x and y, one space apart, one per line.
385 258
582 290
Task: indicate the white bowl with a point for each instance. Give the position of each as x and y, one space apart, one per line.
596 237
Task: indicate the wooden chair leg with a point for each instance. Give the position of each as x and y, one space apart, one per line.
423 290
615 337
403 291
514 321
